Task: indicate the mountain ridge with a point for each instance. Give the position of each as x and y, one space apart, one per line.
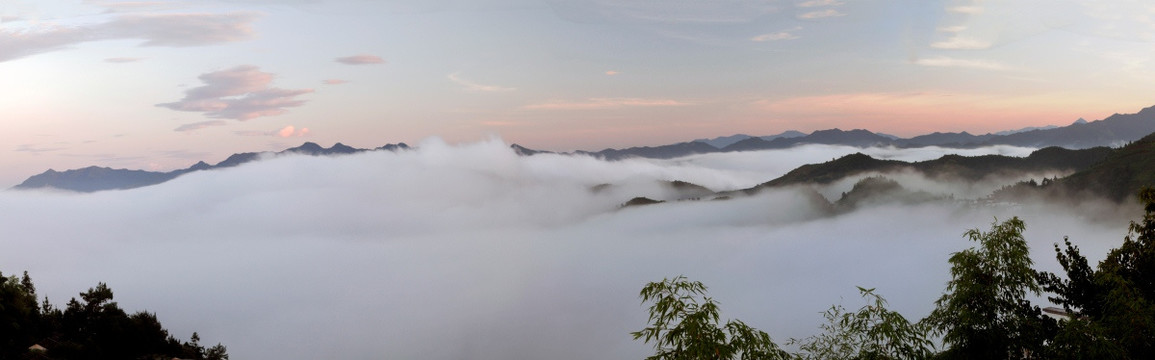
95 178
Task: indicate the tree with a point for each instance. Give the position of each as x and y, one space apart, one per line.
873 332
684 325
984 312
19 315
1112 306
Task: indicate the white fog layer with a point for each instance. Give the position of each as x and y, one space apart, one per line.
470 251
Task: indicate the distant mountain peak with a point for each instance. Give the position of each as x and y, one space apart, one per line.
1079 122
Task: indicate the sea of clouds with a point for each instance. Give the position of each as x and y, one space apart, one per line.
470 251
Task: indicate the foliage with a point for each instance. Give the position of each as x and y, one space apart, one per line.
1116 301
684 325
94 327
873 332
984 313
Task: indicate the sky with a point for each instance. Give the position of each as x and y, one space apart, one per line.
160 85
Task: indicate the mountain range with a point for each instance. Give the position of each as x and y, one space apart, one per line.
95 178
1114 130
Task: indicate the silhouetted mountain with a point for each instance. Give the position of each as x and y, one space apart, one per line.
962 139
311 148
857 137
524 151
94 178
393 147
1031 128
656 152
1112 131
970 168
724 141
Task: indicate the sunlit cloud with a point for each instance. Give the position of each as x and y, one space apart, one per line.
605 103
334 81
781 35
174 30
361 60
951 29
959 42
285 132
612 72
943 61
240 93
121 60
821 14
199 125
475 87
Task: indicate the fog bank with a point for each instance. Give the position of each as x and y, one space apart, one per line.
469 251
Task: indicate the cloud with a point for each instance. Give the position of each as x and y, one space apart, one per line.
605 103
287 131
951 29
475 87
781 35
959 42
120 60
334 81
361 60
663 12
612 72
240 93
469 251
943 61
821 14
199 125
969 10
36 149
130 6
819 3
175 30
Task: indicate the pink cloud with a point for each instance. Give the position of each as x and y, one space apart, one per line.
285 132
360 60
334 81
175 30
199 125
240 93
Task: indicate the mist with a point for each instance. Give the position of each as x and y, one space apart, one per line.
470 251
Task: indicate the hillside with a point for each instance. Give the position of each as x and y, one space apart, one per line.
1120 175
970 168
94 178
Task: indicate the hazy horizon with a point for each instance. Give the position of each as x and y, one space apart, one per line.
162 84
